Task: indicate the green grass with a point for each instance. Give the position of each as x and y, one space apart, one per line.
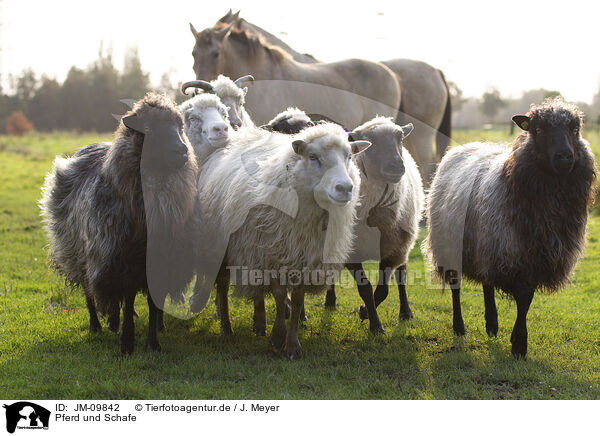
46 350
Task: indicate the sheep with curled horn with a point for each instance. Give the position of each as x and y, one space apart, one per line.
206 124
513 219
120 216
232 94
282 205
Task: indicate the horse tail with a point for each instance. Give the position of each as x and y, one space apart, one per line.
444 130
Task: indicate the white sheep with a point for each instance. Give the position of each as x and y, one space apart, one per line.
279 203
391 206
232 94
206 124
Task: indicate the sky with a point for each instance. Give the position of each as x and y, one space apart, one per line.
510 45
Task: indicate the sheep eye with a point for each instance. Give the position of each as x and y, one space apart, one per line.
575 130
313 156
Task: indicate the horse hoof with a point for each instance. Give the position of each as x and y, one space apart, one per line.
113 326
259 331
226 331
95 328
293 350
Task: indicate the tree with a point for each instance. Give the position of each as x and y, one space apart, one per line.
491 103
25 87
44 108
134 82
456 96
18 124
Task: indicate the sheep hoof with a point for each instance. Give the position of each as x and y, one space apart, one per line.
492 332
259 331
278 338
112 326
362 312
330 302
378 329
152 346
405 315
127 347
226 331
293 350
460 331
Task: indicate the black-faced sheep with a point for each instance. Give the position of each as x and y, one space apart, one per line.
290 121
232 94
119 216
513 220
285 209
391 205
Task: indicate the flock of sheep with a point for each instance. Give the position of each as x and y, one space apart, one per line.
200 190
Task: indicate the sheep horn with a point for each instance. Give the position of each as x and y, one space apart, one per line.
202 84
239 82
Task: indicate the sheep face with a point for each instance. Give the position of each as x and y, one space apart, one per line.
327 167
553 135
383 161
165 146
207 125
234 104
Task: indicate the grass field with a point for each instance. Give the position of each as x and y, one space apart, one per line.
46 350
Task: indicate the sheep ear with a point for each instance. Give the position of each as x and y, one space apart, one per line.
406 130
359 146
133 122
299 146
522 121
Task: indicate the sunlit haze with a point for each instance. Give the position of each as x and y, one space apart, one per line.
511 45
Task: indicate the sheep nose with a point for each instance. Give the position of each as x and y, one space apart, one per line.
220 128
344 188
566 155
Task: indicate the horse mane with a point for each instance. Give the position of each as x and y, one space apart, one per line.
254 42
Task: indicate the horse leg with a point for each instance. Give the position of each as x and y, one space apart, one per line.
491 313
259 324
152 340
330 297
405 312
128 330
518 338
160 320
293 350
365 290
95 325
279 332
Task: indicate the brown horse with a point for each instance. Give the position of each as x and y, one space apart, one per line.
425 96
349 92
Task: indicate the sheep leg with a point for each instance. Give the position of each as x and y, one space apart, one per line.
382 290
518 338
330 297
160 320
457 320
152 340
128 331
223 301
293 350
405 312
365 290
95 325
491 313
279 332
259 320
114 318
